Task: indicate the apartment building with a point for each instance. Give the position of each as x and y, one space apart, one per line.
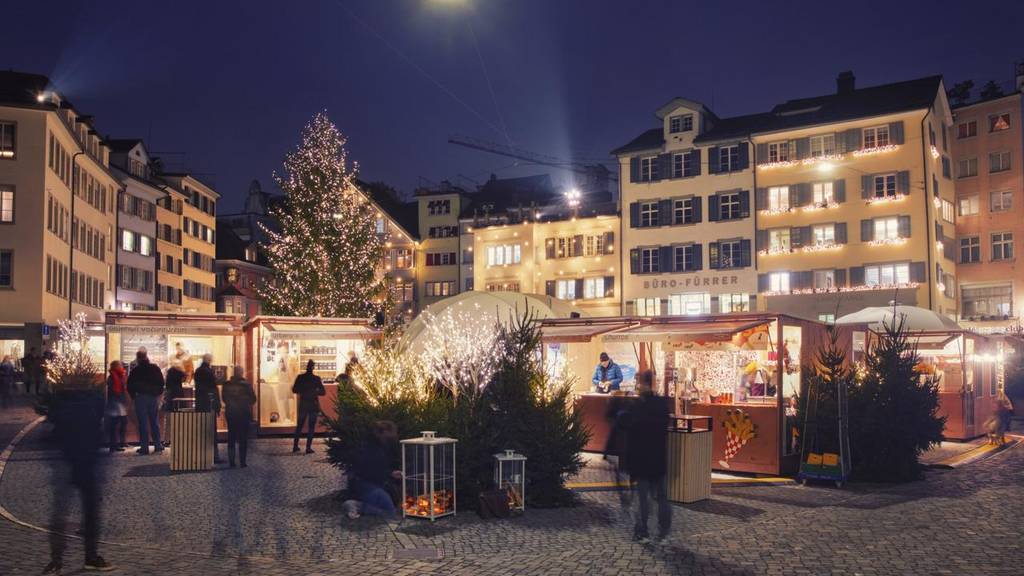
397 226
688 225
57 212
855 200
440 244
137 249
198 241
988 148
169 253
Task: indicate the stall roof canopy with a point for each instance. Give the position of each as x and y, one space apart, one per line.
675 331
326 330
582 332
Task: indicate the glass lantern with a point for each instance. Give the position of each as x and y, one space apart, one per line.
428 473
510 476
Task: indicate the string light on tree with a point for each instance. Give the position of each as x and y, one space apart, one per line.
461 348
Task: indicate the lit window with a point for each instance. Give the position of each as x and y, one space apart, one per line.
689 304
381 226
127 241
982 301
1001 200
8 140
887 274
779 240
593 288
778 198
6 204
778 281
887 228
827 318
824 145
145 245
565 289
822 193
876 137
999 122
647 307
503 254
824 279
734 302
948 211
824 234
969 205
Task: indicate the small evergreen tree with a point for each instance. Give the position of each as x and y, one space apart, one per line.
893 412
822 388
991 90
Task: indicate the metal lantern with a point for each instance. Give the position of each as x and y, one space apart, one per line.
428 472
510 476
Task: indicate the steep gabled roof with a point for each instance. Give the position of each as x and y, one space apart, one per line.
652 139
405 214
231 247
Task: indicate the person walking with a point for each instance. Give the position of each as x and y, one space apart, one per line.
117 407
373 473
207 395
32 365
239 398
309 387
145 385
646 424
6 381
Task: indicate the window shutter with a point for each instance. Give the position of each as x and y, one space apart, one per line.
698 257
713 255
664 212
903 182
713 211
839 190
794 196
762 283
853 138
664 167
903 227
803 148
745 252
760 154
840 232
665 256
803 280
696 161
713 160
634 169
715 307
799 235
609 286
867 230
918 272
896 132
857 276
761 197
634 261
549 288
744 155
744 203
549 248
609 242
577 245
753 303
663 307
634 214
762 239
866 182
840 277
949 249
579 289
698 203
939 233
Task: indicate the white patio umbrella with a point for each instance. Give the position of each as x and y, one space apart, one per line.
915 319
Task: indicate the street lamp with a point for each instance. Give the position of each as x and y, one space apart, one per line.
572 197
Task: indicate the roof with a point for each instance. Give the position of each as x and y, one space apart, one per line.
406 214
231 247
649 140
122 144
22 87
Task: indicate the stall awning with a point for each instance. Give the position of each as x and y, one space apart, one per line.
322 331
580 332
683 331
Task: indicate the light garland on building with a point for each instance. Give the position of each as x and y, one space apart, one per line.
815 207
935 152
888 242
829 157
781 164
863 288
776 211
875 150
886 199
822 247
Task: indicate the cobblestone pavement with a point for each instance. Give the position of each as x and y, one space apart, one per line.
281 516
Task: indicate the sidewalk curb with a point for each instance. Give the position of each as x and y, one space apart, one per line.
982 452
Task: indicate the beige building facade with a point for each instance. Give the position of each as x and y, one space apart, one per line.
440 245
198 242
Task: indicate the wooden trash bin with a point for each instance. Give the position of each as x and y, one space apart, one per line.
689 459
192 439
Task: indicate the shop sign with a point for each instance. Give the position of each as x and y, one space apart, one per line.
691 281
155 344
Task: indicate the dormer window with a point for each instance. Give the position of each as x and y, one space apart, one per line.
680 123
250 253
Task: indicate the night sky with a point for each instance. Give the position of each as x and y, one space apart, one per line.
223 89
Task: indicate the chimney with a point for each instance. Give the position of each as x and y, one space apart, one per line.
845 82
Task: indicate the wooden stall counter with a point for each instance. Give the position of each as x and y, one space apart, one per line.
745 436
596 411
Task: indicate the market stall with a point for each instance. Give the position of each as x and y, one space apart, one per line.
743 370
278 349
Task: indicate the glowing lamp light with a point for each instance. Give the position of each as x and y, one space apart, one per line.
572 197
938 245
935 153
826 167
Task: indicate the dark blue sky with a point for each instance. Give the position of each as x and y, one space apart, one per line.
230 84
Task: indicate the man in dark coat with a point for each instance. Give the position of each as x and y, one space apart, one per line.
32 366
207 395
310 388
239 399
646 425
145 385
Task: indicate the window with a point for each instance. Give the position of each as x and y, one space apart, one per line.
779 240
677 165
593 288
823 195
729 254
729 206
381 226
6 269
442 258
824 279
887 274
824 145
948 213
824 234
969 205
876 137
689 304
986 301
734 302
1001 200
967 129
649 260
885 186
682 211
778 152
649 169
778 198
827 318
778 281
8 140
967 167
999 161
565 289
436 289
947 168
502 255
443 231
593 245
648 214
999 122
728 158
439 207
970 249
684 165
681 123
1002 246
647 307
6 204
127 241
403 258
686 258
887 228
145 245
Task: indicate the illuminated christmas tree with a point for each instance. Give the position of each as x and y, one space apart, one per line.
325 257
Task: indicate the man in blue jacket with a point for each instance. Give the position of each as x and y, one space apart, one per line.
607 375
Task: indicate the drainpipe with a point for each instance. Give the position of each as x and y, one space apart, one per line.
74 231
753 211
927 210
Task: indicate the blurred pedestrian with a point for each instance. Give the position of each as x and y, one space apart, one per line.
6 381
116 410
239 398
310 388
32 365
145 386
207 395
173 389
373 473
646 424
77 411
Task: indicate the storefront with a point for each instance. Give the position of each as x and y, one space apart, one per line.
743 370
278 349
